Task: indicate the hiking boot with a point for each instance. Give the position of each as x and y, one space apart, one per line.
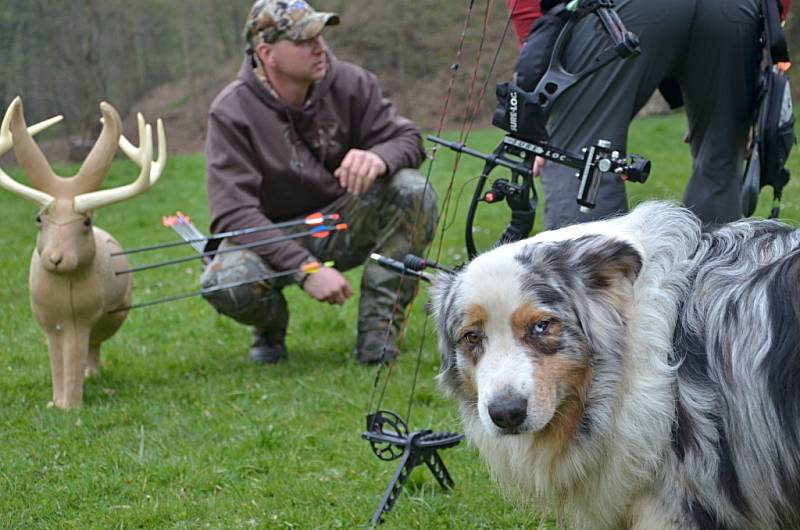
374 348
266 350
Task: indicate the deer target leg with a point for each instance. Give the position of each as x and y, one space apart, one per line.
76 351
93 361
55 349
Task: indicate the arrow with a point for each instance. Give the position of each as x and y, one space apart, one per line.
318 231
179 219
309 268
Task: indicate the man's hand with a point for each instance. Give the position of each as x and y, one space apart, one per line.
358 170
328 285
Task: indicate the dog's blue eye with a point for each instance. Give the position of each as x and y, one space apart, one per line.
540 327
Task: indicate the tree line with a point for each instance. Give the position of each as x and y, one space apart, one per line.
65 56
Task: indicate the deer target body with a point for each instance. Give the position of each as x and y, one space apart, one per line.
73 286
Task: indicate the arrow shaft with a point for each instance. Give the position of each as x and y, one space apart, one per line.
205 291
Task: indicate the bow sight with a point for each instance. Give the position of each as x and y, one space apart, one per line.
520 193
523 114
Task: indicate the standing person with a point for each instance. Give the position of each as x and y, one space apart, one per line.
300 132
711 48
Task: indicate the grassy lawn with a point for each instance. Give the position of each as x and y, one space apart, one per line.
179 431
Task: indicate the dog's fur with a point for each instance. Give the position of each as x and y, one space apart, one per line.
641 372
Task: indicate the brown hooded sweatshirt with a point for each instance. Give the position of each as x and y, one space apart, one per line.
268 162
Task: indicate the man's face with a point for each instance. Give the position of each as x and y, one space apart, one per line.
303 61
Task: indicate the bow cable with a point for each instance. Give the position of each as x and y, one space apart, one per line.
473 116
469 117
388 433
453 73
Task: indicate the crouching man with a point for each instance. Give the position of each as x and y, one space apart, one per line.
300 132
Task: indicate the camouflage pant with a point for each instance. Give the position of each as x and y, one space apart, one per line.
381 220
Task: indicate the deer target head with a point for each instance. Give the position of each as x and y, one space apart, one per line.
65 242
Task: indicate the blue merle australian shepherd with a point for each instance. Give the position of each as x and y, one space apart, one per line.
640 372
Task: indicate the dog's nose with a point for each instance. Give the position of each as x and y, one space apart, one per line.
509 412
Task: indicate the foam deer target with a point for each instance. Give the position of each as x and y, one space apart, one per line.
73 287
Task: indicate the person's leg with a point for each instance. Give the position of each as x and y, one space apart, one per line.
397 216
602 106
719 82
260 305
407 226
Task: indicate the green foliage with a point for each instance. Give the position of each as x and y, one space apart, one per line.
179 431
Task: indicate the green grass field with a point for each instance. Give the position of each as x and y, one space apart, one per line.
180 431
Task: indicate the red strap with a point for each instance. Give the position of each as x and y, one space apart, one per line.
787 4
524 14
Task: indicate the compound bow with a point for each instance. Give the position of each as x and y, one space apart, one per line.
523 115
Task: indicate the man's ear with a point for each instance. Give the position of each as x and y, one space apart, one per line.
263 52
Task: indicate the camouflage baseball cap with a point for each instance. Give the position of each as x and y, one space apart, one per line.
295 20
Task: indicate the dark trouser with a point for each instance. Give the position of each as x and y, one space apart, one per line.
711 47
383 220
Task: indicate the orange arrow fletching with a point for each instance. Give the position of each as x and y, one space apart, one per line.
319 218
314 266
315 219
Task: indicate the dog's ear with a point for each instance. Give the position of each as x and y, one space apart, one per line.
607 269
607 261
593 276
443 303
